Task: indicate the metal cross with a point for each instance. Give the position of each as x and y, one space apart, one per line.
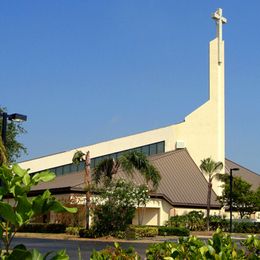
217 16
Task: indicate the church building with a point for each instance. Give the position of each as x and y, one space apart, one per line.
176 150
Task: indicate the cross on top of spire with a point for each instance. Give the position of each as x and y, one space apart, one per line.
217 16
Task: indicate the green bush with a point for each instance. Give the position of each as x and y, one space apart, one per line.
159 251
220 246
115 252
72 230
87 233
246 227
137 232
194 221
43 228
173 231
216 222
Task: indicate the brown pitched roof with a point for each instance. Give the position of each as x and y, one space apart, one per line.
249 176
182 182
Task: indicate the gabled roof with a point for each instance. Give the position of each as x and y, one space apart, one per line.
247 175
182 182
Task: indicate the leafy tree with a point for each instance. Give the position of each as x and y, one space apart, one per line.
211 169
129 162
115 206
14 148
244 199
17 183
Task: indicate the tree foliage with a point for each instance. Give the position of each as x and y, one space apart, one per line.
211 169
14 149
128 162
115 206
16 183
244 199
105 170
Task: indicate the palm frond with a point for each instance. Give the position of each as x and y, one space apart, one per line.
78 157
105 168
210 167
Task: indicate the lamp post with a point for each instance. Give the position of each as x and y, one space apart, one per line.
230 195
13 117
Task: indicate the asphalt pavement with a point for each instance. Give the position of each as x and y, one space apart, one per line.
73 247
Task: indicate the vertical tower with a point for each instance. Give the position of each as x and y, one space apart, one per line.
217 83
203 130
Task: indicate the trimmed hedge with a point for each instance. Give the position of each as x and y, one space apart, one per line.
173 231
43 228
246 227
87 233
73 230
137 232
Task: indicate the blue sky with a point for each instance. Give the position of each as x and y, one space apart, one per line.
89 71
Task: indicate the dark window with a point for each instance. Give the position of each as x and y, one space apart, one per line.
152 149
92 163
145 150
74 167
59 171
160 147
66 169
81 166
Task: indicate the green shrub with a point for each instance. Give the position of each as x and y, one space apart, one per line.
185 248
159 251
194 221
72 230
43 228
216 222
87 233
220 246
120 234
115 252
137 232
173 231
246 227
252 245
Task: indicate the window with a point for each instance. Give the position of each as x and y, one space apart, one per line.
74 167
160 147
81 166
67 169
149 149
146 150
59 171
153 149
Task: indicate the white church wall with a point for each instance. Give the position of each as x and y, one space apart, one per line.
108 147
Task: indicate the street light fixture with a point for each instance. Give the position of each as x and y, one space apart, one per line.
230 195
13 117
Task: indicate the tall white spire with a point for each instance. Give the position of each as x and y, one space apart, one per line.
217 16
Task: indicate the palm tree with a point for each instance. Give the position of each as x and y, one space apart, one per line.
106 169
78 157
134 160
128 162
210 168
